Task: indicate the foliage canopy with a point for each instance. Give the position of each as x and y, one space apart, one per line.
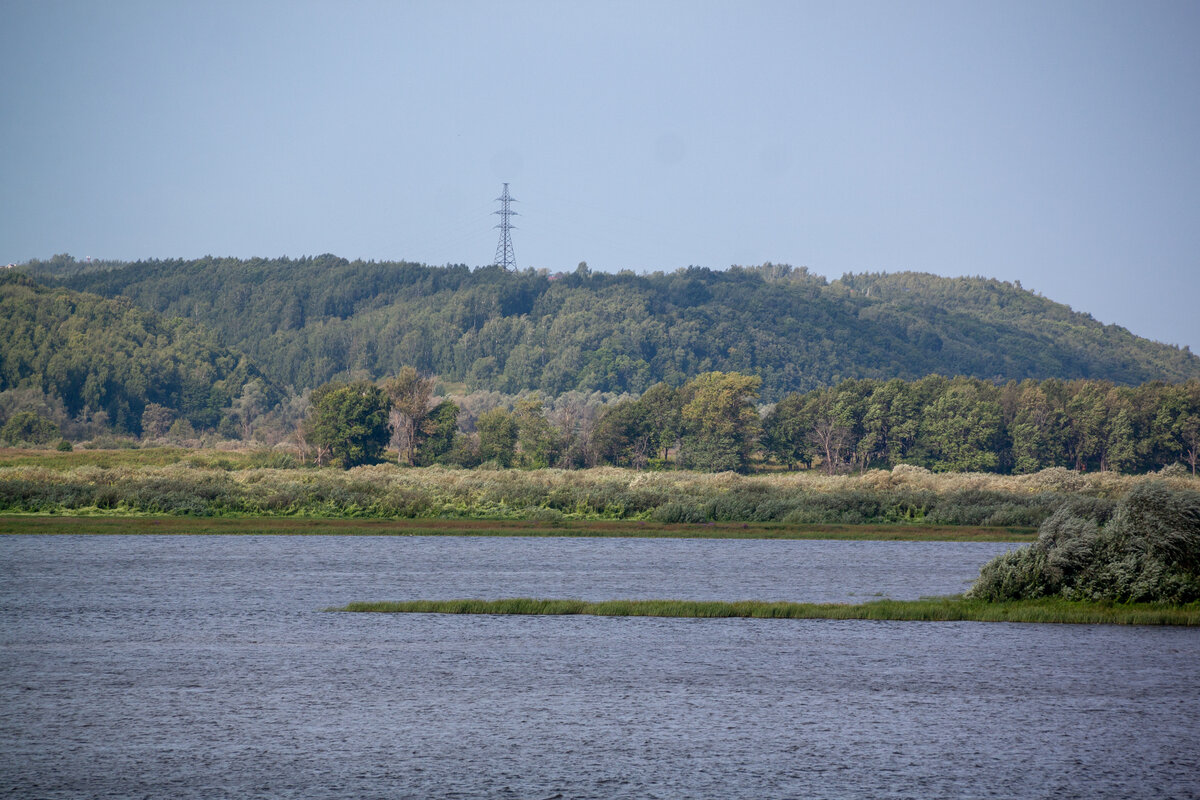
350 422
305 321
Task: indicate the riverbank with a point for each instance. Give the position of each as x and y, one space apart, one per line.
939 609
263 484
124 524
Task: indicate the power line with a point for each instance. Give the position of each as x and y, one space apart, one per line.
504 248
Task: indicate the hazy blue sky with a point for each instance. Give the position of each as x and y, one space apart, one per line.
1054 143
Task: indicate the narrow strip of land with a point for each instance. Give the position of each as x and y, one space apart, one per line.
939 609
180 525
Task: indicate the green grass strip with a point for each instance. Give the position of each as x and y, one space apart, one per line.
937 609
113 523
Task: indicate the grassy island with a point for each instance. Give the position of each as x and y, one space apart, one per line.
938 609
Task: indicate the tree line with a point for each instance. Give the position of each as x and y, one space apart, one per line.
713 423
965 424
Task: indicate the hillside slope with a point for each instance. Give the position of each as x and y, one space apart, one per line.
110 356
305 320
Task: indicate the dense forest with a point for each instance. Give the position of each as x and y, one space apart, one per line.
91 364
353 346
306 321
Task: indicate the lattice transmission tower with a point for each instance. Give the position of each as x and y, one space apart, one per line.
504 248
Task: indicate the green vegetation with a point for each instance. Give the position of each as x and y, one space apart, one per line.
308 321
124 524
140 457
711 424
349 423
89 365
498 433
76 366
176 481
26 427
82 368
938 609
1146 549
968 425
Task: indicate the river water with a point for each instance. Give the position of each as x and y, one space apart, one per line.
205 667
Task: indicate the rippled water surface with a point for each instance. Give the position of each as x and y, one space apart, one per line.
205 667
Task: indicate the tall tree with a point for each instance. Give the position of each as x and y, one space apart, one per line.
662 407
1178 421
1038 430
1120 443
830 431
439 429
1086 424
786 430
963 428
350 422
249 406
720 421
892 421
156 420
539 441
26 427
625 434
411 397
498 430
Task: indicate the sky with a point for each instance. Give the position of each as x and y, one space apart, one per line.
1052 143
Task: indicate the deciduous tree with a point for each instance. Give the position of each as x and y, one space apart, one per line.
350 421
411 397
436 435
720 421
498 431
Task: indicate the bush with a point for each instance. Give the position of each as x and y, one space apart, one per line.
109 441
26 427
1175 470
1147 551
181 431
551 515
271 459
262 481
676 512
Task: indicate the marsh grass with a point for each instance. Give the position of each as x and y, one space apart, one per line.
935 609
217 483
104 523
73 459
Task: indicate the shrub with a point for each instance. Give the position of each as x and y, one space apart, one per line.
676 512
1147 551
1175 470
26 427
272 459
181 431
551 515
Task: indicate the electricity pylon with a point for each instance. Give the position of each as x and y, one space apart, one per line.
504 248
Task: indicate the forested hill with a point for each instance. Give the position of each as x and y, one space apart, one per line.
304 321
105 360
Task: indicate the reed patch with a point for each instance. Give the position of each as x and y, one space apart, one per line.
265 484
938 609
